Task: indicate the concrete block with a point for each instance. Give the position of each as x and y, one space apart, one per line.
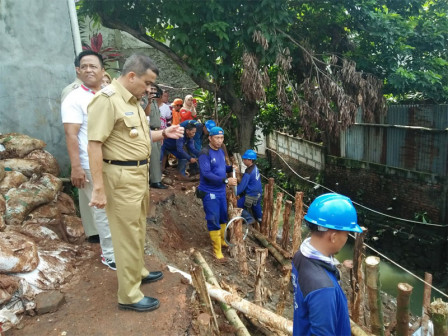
49 302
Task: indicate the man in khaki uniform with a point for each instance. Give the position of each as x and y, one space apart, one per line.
119 149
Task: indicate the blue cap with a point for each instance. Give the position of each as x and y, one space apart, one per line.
216 131
209 124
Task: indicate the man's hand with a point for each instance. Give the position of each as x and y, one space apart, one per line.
193 160
98 199
78 177
174 132
232 181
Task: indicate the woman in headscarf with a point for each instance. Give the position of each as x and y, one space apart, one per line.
188 111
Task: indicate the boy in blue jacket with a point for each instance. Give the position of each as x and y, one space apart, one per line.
320 305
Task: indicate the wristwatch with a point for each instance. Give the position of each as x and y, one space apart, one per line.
226 180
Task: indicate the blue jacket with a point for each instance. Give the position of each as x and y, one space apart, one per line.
178 145
213 169
251 182
320 305
197 139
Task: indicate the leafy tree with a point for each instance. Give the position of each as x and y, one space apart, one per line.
292 58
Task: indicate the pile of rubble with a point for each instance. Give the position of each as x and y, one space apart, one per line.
40 232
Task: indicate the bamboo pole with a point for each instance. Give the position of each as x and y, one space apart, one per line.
286 224
439 317
357 282
403 298
267 207
285 264
284 290
276 217
229 312
426 302
374 295
201 288
298 218
260 256
285 254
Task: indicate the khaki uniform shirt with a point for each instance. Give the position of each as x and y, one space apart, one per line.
112 114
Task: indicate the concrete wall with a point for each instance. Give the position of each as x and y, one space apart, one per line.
36 63
307 152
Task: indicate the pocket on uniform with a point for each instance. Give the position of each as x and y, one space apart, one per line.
131 122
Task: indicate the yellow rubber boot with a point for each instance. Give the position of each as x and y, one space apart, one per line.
215 236
223 231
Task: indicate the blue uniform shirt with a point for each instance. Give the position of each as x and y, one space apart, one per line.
213 169
251 182
178 145
320 305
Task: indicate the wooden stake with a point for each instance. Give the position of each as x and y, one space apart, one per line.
426 303
199 284
285 264
260 257
286 224
284 291
240 247
357 279
267 207
277 211
204 324
374 295
439 317
235 237
229 312
403 298
298 218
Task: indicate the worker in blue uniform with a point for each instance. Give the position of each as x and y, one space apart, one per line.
212 189
320 305
176 147
250 189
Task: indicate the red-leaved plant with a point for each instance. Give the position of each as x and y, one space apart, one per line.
96 43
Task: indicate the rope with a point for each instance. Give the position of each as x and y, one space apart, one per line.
404 269
358 204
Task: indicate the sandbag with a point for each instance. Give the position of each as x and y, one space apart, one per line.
36 232
17 253
74 229
37 191
8 285
2 171
46 160
12 179
2 213
18 145
25 166
65 204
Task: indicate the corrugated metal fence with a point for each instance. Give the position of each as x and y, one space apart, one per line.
414 137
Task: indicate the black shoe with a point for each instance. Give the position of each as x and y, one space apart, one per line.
152 277
95 239
145 304
158 185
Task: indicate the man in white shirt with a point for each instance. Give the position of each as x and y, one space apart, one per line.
74 118
165 111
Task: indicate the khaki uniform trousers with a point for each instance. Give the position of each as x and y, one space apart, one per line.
127 204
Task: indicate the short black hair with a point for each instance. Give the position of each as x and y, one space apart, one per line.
76 61
139 64
190 126
88 53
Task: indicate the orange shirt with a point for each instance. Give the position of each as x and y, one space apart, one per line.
185 115
176 117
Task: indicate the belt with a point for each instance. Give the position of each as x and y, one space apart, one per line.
127 163
155 128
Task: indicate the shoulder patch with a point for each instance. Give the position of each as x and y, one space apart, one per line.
75 86
108 91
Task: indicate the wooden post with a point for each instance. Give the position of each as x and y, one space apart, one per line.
204 324
374 295
426 302
234 236
260 257
240 246
298 218
277 211
439 317
199 284
267 207
286 224
357 278
403 298
229 312
285 263
284 290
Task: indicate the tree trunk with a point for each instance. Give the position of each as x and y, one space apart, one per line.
246 128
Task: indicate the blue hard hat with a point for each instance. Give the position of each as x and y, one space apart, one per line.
250 154
333 211
216 131
209 124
